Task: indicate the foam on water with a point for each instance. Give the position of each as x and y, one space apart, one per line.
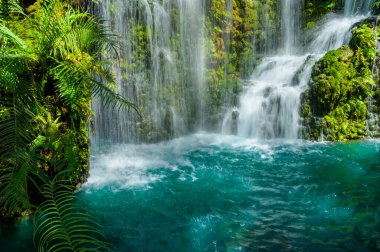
226 193
119 170
121 166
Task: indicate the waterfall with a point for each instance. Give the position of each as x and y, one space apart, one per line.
291 11
373 115
357 7
160 69
269 104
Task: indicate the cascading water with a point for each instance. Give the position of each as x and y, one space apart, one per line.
161 64
357 7
291 25
213 192
269 106
373 115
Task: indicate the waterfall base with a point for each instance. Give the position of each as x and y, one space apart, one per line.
225 193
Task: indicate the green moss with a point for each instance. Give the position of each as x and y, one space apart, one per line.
363 40
234 37
315 9
341 82
376 8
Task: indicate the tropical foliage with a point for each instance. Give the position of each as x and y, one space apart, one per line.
61 224
50 68
315 9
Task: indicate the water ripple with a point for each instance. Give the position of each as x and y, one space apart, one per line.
217 193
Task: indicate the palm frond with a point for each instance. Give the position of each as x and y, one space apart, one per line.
14 7
7 34
95 37
110 98
13 180
62 225
17 98
10 6
69 81
72 32
70 154
17 103
15 128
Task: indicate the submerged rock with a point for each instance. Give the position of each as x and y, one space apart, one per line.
235 121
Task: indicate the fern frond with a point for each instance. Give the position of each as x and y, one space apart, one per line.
7 34
15 130
62 225
13 192
69 82
71 156
112 99
10 6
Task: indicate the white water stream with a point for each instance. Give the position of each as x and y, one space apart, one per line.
162 62
269 105
160 68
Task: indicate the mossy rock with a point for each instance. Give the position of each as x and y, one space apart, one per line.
341 83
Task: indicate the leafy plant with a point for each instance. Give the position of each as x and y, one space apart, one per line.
63 225
50 68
